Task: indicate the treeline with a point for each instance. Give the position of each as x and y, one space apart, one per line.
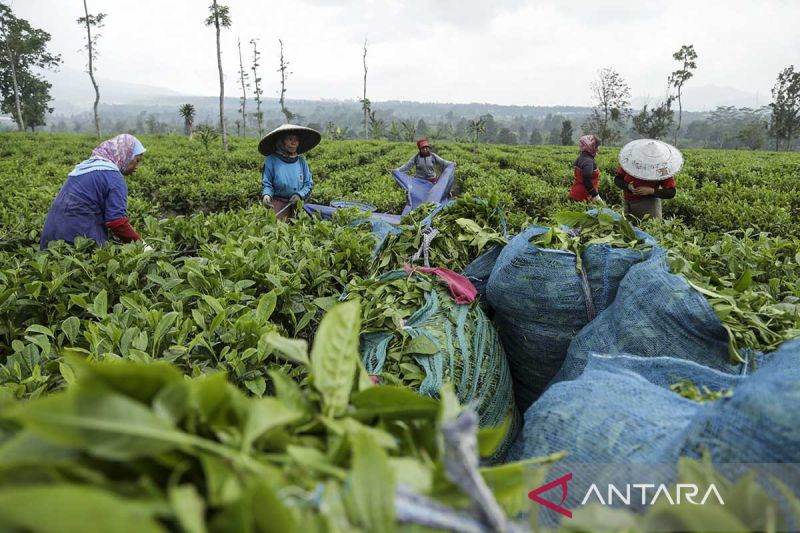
723 128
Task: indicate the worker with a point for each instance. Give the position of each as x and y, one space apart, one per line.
647 175
286 176
94 199
425 163
586 175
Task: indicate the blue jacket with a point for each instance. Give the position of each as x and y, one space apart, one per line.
83 206
284 179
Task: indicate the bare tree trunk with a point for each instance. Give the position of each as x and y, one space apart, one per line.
680 113
366 108
284 67
20 120
244 92
91 70
12 63
221 84
258 89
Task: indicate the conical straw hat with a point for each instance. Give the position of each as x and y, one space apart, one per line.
309 138
650 160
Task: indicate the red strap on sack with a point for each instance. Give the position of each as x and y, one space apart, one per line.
462 289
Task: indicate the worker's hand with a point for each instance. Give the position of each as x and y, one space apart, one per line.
435 179
266 201
597 199
644 191
147 247
294 199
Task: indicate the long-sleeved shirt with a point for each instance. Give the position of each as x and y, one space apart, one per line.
664 189
88 205
425 166
281 179
587 165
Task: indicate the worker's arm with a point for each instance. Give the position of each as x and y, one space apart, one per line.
619 180
587 169
408 165
444 162
116 209
666 194
267 175
308 183
123 230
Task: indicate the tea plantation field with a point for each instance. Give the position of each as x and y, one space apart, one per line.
182 388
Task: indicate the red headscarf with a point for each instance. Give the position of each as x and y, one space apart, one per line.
589 144
421 143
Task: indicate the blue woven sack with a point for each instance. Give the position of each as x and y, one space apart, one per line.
620 410
541 302
655 314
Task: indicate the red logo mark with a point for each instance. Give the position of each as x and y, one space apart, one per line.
562 482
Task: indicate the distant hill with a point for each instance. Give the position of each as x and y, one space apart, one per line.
72 91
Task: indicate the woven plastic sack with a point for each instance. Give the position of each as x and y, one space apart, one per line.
655 314
480 269
421 191
541 302
620 410
758 424
470 356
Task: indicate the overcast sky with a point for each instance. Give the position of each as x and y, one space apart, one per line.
543 52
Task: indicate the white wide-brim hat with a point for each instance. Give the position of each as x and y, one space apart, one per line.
309 138
650 160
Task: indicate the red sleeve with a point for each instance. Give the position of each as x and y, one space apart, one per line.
668 183
123 230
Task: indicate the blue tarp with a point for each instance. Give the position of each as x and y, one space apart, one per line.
421 191
326 212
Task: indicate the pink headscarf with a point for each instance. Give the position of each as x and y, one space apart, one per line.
120 150
589 144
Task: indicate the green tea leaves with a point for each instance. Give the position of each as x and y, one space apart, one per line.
334 356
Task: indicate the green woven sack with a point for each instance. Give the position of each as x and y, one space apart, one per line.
423 346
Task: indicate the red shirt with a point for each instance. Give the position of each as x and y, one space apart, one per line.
668 183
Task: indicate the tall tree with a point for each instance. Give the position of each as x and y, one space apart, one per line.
785 107
187 111
612 106
245 84
376 126
365 103
219 17
257 88
506 136
490 128
96 22
566 132
409 130
35 95
284 70
394 132
477 128
22 48
655 123
687 56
